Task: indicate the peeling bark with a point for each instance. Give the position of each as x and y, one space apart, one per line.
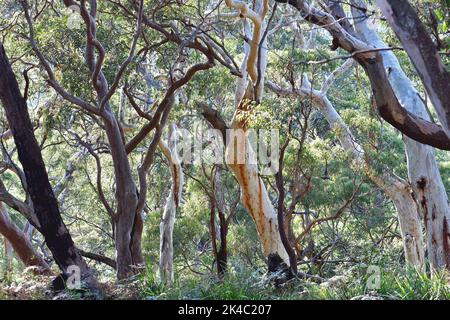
257 202
254 195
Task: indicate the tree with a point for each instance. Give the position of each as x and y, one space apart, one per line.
395 187
20 243
172 202
370 59
254 193
44 202
327 157
423 54
423 169
128 216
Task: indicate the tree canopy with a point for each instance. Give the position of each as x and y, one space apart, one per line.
225 149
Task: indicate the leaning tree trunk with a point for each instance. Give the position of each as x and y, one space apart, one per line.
423 170
423 53
51 225
255 197
172 202
387 104
396 188
257 202
20 243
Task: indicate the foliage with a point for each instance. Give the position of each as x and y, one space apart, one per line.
366 233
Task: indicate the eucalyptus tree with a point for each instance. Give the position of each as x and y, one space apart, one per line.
387 104
423 169
129 68
395 187
429 192
18 240
169 150
424 54
249 91
130 199
45 207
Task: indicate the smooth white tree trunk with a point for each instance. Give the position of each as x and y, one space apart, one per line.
423 169
395 188
166 226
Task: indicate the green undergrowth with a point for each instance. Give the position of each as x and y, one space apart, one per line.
360 283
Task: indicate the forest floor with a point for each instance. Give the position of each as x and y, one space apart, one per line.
407 285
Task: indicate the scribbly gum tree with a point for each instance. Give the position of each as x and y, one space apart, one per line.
98 98
398 103
127 211
249 91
